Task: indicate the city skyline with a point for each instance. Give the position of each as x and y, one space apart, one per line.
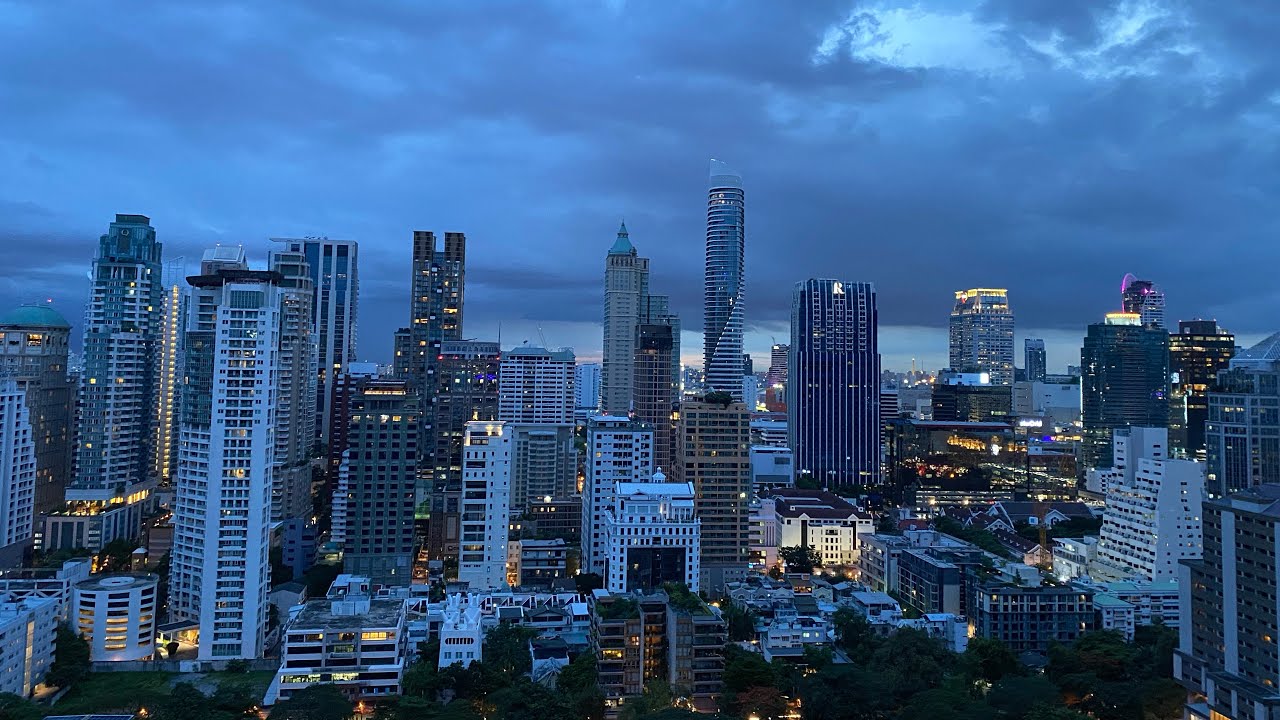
810 178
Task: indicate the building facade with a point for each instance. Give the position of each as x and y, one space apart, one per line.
28 628
1124 381
17 475
724 282
118 616
586 390
714 455
1031 619
833 389
1143 298
1242 433
485 505
619 449
297 392
652 536
1034 359
981 334
535 385
626 286
1197 353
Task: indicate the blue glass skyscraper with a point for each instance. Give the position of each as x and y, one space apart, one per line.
833 382
724 285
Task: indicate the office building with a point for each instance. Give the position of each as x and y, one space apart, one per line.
1152 516
833 392
296 390
714 455
485 505
1124 381
626 287
34 340
1144 299
466 389
1058 403
17 475
535 385
117 423
169 359
117 615
619 449
970 397
219 573
28 629
724 282
1228 653
349 638
557 517
652 536
586 390
1197 352
381 481
1242 433
981 334
334 269
654 390
1034 359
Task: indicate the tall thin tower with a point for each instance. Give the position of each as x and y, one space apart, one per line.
724 283
626 285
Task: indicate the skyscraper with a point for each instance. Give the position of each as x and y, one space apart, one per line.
833 394
714 454
486 493
586 390
778 359
724 282
34 354
1034 359
296 396
1124 381
435 306
17 474
220 574
1242 432
655 388
535 385
626 286
169 373
981 334
335 278
380 475
1144 299
1196 353
619 449
122 334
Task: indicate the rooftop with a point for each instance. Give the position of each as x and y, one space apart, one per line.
34 316
318 615
122 581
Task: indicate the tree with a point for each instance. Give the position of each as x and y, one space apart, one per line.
316 702
319 578
70 658
805 481
238 666
801 558
172 647
586 582
117 555
989 660
579 675
912 662
656 697
854 633
947 702
16 707
186 702
1015 696
762 702
741 621
506 649
745 669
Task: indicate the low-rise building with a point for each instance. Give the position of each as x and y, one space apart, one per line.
536 563
826 521
350 639
1072 557
50 583
1030 618
461 632
116 615
553 517
772 467
930 584
28 628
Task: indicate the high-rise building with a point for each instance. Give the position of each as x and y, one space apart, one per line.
1197 352
169 373
724 285
1152 516
619 449
1144 299
296 394
17 474
1124 381
586 390
833 393
714 454
380 472
1242 432
779 356
544 463
485 508
655 390
435 315
1034 359
466 390
219 572
122 334
345 386
1228 653
626 286
33 353
335 279
535 385
652 536
981 334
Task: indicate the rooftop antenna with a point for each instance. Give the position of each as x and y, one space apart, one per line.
542 337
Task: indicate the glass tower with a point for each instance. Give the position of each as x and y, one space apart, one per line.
724 285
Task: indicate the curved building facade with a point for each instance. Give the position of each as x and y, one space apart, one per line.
724 282
116 614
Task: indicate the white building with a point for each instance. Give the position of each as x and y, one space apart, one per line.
46 583
350 639
485 504
772 466
461 634
17 473
535 385
619 449
1058 401
769 432
826 521
296 396
1128 446
28 628
586 390
116 615
1153 521
220 574
763 527
751 391
1074 557
652 536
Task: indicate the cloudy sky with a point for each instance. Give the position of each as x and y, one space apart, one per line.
1040 145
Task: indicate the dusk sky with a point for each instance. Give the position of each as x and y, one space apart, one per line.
1046 146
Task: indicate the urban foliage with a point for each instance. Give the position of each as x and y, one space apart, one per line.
982 538
800 558
70 658
317 702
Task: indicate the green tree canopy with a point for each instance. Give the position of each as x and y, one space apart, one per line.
801 558
317 702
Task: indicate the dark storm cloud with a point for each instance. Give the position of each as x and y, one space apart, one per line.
1045 146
